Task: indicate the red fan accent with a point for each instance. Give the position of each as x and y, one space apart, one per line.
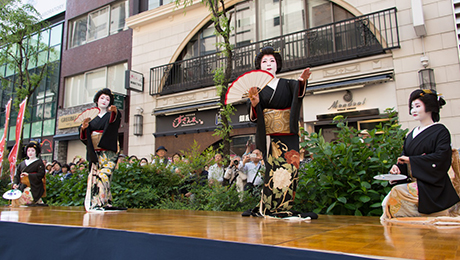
240 87
90 112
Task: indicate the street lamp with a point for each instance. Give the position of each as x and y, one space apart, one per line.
426 75
139 122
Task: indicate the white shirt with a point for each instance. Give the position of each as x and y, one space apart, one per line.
215 172
251 170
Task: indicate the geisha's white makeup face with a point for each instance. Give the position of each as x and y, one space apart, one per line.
31 153
418 110
103 101
268 63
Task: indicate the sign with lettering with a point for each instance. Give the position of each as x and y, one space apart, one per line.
186 120
134 81
67 121
346 106
119 101
198 120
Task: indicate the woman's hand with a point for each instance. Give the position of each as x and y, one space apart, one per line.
253 94
305 75
15 186
24 174
395 170
112 108
403 160
85 123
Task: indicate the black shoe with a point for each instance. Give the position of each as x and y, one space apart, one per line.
108 208
247 213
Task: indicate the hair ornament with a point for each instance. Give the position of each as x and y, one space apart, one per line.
427 91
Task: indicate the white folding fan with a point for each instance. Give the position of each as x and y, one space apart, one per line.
12 194
90 112
240 87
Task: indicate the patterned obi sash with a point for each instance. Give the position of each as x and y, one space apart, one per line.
277 121
96 138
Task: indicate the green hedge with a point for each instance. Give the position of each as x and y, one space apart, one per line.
339 180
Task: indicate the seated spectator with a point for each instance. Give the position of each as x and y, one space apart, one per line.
133 159
161 156
143 162
66 171
176 159
56 168
121 159
72 168
216 171
48 168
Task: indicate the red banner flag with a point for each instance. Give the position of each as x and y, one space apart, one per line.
14 152
5 133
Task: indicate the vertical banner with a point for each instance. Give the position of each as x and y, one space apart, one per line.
14 151
5 134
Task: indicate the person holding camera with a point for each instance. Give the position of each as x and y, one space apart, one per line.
251 166
232 173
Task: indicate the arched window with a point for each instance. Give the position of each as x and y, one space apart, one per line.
257 20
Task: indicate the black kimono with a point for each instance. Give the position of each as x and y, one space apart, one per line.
277 115
430 155
102 156
36 171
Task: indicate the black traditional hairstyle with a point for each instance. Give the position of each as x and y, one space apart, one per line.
268 50
105 91
430 99
36 146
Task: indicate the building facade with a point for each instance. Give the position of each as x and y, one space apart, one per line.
40 124
365 57
96 53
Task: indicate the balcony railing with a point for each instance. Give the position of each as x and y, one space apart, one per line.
349 39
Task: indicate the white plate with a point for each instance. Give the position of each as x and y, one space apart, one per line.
12 194
390 177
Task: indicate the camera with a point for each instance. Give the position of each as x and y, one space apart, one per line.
236 162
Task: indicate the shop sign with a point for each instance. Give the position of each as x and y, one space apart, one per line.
119 101
186 120
346 106
68 121
134 81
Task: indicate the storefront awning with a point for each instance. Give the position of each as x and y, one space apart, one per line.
185 109
350 82
67 137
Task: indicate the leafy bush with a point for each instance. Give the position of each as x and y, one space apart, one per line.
339 179
66 192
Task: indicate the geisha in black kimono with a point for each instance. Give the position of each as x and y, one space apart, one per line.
101 138
426 159
29 177
276 109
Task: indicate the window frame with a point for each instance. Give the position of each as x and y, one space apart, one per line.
87 18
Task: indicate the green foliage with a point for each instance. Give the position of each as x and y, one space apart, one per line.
176 186
339 179
5 185
66 192
22 49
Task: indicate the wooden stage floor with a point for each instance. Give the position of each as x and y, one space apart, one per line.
364 236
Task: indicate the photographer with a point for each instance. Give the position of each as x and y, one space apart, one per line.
252 165
232 174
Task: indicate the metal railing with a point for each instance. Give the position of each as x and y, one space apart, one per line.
349 39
